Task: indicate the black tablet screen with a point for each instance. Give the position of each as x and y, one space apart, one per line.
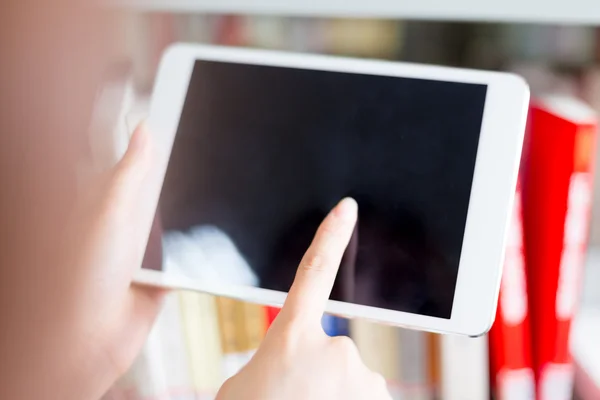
262 154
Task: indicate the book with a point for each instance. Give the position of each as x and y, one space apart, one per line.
268 32
193 28
379 347
234 340
414 361
434 364
255 324
272 313
307 34
175 356
202 339
557 197
230 30
464 368
335 326
553 43
372 38
511 366
590 92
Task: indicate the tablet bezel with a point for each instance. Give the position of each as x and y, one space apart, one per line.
492 193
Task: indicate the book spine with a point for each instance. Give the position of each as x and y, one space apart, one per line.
255 322
434 364
202 340
379 347
335 326
557 208
234 340
211 340
363 38
175 356
267 32
414 364
590 91
464 368
230 30
512 375
272 313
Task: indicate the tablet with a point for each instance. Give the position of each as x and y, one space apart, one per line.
255 147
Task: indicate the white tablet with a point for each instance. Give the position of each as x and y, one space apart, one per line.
255 147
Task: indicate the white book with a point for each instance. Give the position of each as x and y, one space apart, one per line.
379 348
465 368
267 31
202 342
414 364
175 357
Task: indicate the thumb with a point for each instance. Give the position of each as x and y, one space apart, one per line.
141 310
128 175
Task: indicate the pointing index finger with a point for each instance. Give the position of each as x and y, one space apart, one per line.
316 274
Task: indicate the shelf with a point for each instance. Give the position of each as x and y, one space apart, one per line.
573 11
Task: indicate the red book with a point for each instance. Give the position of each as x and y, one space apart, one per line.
557 194
511 365
231 31
272 313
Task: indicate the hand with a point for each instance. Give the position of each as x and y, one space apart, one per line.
85 322
109 242
297 360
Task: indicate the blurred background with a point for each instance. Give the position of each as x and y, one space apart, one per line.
556 47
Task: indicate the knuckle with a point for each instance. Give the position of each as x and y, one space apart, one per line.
285 339
313 262
345 346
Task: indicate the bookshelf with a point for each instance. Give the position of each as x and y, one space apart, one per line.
511 21
539 11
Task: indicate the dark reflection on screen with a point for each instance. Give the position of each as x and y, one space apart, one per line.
263 153
390 263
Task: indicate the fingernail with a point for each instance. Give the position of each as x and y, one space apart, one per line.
347 209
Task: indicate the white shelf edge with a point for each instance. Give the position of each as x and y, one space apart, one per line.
539 11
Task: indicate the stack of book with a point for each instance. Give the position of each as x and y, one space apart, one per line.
200 340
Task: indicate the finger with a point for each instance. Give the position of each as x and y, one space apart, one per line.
111 195
124 218
141 310
317 271
127 177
